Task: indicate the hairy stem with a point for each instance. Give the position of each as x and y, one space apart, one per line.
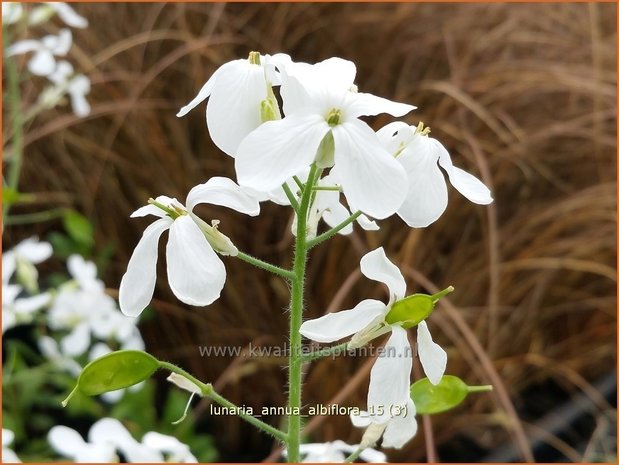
296 318
326 352
333 231
287 274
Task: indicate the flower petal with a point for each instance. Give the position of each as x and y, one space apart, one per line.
138 282
233 110
77 341
224 192
65 441
195 272
433 357
23 46
33 250
110 431
372 180
42 63
390 377
68 15
151 209
337 325
375 265
401 429
467 184
278 150
362 420
367 223
426 199
362 104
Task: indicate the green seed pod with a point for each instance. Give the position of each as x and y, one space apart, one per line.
449 393
114 371
413 309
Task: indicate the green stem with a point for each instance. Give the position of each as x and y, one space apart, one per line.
208 391
17 139
38 217
333 231
287 274
485 388
328 188
296 318
354 456
291 197
326 352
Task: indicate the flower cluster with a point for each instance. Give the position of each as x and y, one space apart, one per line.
47 54
81 319
392 171
108 438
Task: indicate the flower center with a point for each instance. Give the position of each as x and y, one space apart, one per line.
333 117
421 130
173 211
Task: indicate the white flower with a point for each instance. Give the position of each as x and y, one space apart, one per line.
50 349
43 62
11 12
8 456
390 375
22 259
236 93
65 12
195 272
17 311
336 452
421 156
67 82
108 436
327 206
396 431
320 101
84 273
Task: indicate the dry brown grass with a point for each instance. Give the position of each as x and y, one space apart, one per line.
522 94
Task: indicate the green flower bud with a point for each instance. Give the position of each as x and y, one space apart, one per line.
413 309
449 393
27 275
114 371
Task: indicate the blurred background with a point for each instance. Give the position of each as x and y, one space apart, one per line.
522 95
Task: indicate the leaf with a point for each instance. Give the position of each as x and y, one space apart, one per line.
449 393
78 227
116 370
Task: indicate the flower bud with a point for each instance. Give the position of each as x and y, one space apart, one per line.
27 275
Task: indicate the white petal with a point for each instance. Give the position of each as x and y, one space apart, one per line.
168 445
96 453
203 94
375 265
7 435
401 429
426 199
99 350
62 43
195 272
367 223
337 72
77 341
11 12
389 135
224 192
333 211
65 441
467 184
373 456
29 305
23 46
362 104
390 377
184 383
33 250
151 209
42 63
110 431
139 453
233 110
433 357
80 269
8 456
78 88
337 325
278 150
68 15
372 180
362 420
138 283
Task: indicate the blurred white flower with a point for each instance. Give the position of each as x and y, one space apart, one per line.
66 13
236 92
195 272
65 81
50 350
8 456
11 12
43 62
22 258
421 157
336 452
396 430
321 101
108 437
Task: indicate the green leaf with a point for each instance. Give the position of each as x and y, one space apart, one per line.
114 371
78 227
449 393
